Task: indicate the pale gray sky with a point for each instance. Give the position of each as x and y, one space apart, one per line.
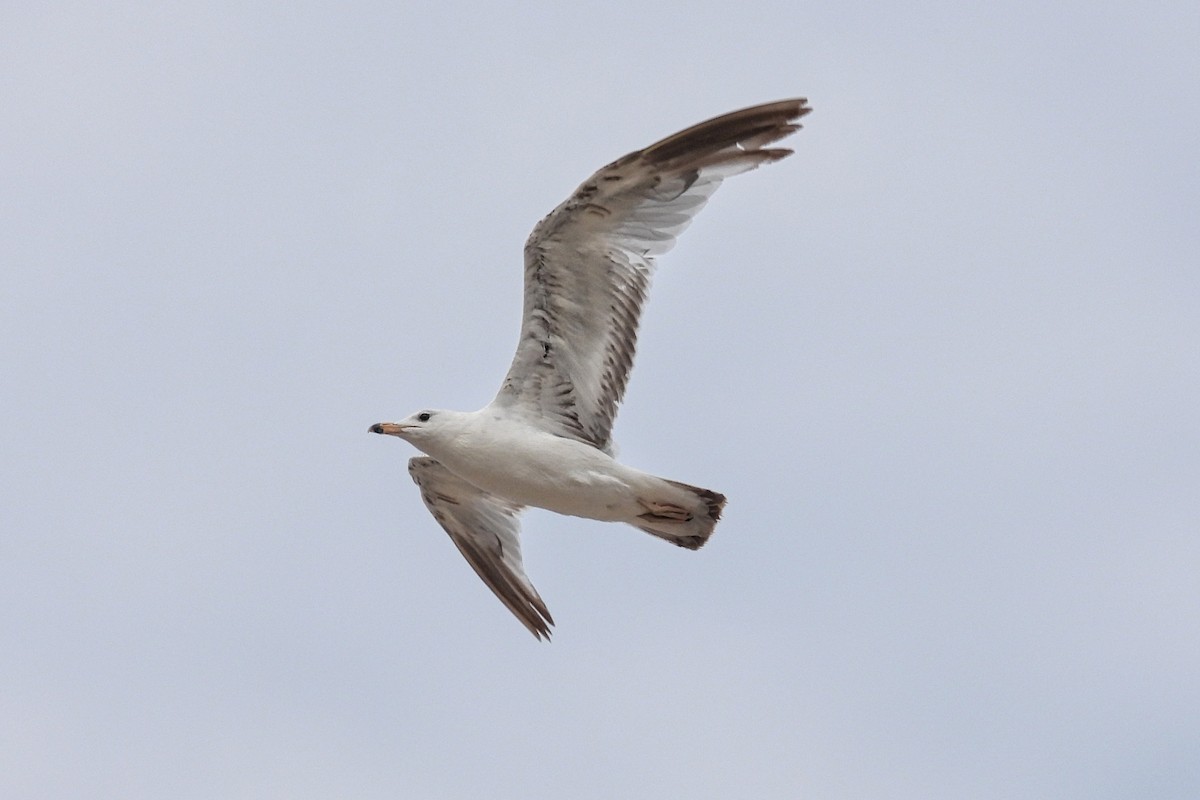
943 362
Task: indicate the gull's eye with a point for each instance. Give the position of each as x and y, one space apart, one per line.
424 416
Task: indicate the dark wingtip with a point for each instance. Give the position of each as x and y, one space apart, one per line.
376 428
751 127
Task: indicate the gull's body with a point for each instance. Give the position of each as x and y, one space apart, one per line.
530 467
545 440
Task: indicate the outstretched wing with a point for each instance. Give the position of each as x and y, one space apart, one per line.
486 531
588 266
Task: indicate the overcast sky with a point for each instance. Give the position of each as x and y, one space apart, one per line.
943 362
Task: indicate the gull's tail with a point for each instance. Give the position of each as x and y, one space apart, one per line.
686 518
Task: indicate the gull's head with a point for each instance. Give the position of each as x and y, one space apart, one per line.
416 427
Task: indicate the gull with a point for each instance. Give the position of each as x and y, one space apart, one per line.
546 438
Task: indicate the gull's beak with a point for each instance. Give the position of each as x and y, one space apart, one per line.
390 428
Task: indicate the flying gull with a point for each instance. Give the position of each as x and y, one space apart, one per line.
546 439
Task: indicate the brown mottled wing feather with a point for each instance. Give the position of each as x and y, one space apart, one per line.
588 266
486 531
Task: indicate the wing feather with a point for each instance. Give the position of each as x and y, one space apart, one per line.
588 266
486 530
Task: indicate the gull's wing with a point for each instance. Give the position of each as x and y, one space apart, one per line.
487 532
588 266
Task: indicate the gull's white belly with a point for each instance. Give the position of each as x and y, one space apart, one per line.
534 468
